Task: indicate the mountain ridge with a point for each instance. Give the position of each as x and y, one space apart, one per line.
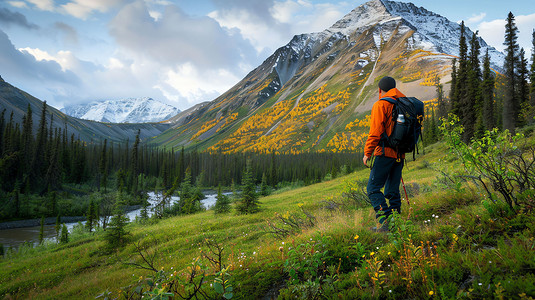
309 94
129 110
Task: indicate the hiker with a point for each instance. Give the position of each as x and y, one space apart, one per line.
387 165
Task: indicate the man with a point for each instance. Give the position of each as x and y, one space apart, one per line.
387 166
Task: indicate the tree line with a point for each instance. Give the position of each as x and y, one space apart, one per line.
483 98
52 163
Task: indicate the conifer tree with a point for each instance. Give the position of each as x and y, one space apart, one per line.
248 202
510 102
64 234
453 89
90 223
264 187
103 168
487 89
532 73
523 89
134 165
27 141
42 230
116 234
461 84
2 126
39 163
222 203
441 102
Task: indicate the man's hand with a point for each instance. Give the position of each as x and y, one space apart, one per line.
365 160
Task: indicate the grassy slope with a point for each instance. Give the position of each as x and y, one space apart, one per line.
79 269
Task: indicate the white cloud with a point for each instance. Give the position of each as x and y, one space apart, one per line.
188 82
47 5
476 18
83 8
493 32
18 4
278 21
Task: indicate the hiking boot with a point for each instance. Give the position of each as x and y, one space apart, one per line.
382 228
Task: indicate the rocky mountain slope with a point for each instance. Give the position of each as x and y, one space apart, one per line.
16 101
313 93
131 110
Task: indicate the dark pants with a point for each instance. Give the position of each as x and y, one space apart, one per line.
386 171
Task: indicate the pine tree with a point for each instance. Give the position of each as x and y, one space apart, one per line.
2 127
441 102
470 98
90 223
134 165
510 103
461 85
42 230
116 234
532 74
523 89
248 202
453 89
64 234
264 187
39 164
222 203
103 168
487 88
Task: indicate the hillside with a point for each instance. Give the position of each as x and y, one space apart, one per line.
15 100
450 242
312 94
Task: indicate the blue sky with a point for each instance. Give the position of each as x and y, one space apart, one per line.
181 52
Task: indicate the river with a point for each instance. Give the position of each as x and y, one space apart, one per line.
17 236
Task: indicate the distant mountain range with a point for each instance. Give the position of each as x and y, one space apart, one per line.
16 102
314 93
131 110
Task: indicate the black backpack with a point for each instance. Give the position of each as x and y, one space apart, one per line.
408 116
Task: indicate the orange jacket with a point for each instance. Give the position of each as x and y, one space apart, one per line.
381 121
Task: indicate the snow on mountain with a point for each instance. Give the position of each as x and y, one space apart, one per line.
432 32
131 110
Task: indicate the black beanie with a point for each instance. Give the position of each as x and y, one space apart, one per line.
387 83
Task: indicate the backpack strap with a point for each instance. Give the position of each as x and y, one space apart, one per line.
384 136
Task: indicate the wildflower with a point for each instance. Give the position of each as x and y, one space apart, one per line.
356 237
372 254
480 284
390 291
431 293
388 253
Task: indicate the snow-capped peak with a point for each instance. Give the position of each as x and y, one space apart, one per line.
131 110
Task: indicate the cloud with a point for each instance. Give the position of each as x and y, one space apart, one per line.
47 5
271 24
493 32
83 8
18 4
476 18
9 18
70 35
176 38
43 78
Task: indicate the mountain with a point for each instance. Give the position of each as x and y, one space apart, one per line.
131 110
313 94
16 101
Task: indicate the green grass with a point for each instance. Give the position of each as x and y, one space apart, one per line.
480 254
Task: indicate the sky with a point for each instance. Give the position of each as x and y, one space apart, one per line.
182 52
